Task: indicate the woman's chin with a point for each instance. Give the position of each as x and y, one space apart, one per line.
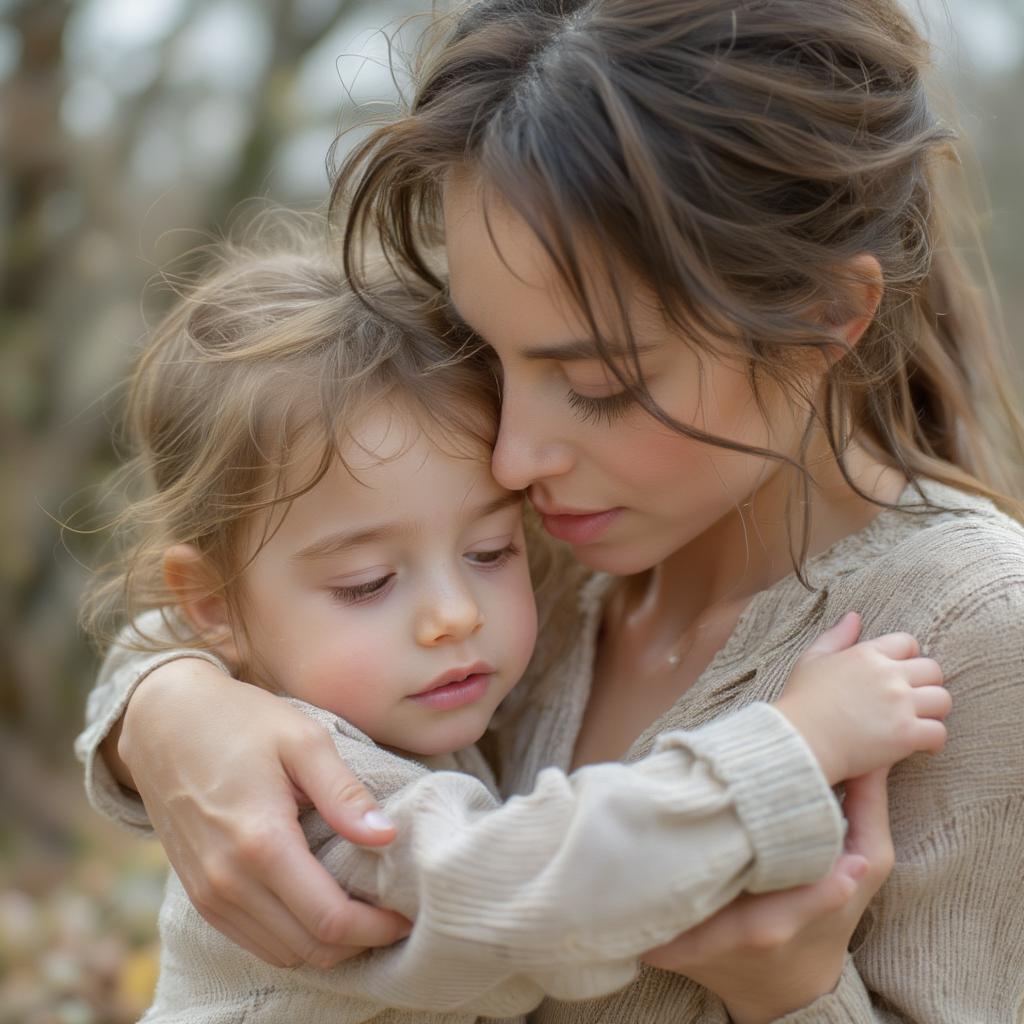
616 559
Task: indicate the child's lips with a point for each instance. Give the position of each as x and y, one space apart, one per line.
455 694
455 675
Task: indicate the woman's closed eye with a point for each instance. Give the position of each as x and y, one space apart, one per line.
361 593
608 407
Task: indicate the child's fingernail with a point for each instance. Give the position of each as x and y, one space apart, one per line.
378 821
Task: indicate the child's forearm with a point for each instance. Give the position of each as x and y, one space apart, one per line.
567 885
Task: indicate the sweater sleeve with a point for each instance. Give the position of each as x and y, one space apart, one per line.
123 669
558 891
943 941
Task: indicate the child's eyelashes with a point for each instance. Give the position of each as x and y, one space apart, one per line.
363 593
609 408
494 558
360 593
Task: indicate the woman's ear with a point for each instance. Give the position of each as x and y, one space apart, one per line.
200 595
863 286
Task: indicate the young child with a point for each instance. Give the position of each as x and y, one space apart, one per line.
322 521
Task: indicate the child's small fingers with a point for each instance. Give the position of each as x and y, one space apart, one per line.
896 645
931 735
932 702
922 671
838 637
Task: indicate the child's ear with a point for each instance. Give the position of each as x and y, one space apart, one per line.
864 286
199 594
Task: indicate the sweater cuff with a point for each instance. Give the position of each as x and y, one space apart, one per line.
120 805
782 798
848 1003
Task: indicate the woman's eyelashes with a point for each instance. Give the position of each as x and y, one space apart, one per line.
608 408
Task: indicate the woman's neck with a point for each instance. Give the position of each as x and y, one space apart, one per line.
753 547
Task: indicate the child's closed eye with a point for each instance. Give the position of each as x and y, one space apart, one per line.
362 592
493 558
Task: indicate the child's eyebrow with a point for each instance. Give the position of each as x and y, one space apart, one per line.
345 540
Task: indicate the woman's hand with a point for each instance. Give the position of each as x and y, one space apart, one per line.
767 955
222 768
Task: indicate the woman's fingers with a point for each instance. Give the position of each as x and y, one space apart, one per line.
759 923
866 807
316 769
327 915
244 932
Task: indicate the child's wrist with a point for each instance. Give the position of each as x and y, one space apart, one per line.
826 753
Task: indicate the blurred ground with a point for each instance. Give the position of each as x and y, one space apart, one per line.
128 132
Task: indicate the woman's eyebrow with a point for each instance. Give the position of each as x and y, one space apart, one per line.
583 348
576 350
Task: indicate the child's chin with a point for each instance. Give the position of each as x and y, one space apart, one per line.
445 740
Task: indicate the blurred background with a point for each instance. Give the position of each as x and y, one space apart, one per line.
130 130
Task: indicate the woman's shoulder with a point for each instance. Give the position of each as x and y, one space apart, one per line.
942 556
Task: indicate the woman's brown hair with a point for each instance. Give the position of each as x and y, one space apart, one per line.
737 158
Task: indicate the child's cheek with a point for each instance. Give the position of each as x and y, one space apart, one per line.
353 679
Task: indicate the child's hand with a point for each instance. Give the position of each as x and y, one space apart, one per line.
862 706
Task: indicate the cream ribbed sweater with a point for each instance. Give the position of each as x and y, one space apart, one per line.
943 943
553 893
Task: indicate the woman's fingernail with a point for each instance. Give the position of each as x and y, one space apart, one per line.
378 821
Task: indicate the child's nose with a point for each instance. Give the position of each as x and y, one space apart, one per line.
449 616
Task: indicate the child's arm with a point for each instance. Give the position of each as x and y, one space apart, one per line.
749 783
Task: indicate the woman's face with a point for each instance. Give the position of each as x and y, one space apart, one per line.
625 491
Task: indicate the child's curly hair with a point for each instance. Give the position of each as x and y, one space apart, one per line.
267 353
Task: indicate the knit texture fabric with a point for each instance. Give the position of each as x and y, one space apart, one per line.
943 941
554 893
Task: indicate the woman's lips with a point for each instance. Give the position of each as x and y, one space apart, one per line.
579 528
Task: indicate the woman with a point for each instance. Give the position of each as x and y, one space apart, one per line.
745 379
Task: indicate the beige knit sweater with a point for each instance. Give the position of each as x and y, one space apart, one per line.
943 943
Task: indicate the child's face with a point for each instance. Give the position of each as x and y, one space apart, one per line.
400 600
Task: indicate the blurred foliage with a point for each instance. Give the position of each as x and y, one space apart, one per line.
128 129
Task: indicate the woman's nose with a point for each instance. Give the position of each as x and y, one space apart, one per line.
526 451
449 615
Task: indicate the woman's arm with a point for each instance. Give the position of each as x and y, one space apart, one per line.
557 892
221 766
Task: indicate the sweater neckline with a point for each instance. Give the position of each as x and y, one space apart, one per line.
730 658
